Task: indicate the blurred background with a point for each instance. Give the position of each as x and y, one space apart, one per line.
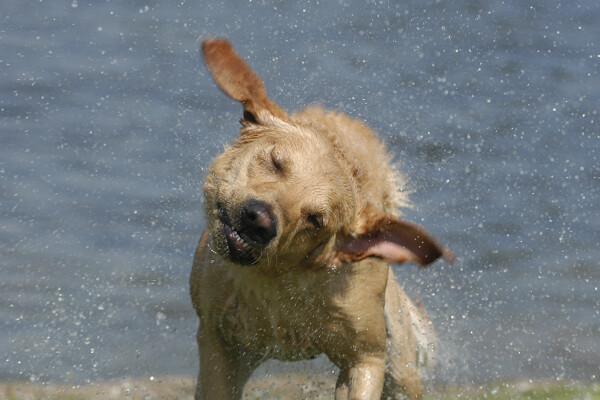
108 120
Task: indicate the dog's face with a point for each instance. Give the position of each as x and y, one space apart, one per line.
277 197
281 195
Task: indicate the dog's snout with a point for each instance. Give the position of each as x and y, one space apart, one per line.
258 222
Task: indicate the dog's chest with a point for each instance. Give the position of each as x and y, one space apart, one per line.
271 322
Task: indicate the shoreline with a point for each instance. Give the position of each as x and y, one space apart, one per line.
284 386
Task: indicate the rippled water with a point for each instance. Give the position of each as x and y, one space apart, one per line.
108 120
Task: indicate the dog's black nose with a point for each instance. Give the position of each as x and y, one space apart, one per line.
257 222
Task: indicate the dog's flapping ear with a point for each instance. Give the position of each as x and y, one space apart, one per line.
238 81
392 240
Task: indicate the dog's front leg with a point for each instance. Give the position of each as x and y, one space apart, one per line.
361 381
223 369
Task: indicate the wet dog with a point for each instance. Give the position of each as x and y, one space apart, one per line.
303 223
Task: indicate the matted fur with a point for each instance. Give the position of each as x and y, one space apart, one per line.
303 222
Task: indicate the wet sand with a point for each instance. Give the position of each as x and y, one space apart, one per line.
284 386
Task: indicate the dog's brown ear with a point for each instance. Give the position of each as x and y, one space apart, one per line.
238 81
394 241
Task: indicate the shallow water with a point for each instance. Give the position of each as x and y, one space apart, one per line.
108 120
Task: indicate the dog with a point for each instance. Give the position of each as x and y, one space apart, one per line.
303 223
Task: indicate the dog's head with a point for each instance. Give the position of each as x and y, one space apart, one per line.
280 196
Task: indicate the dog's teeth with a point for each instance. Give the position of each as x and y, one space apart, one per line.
239 239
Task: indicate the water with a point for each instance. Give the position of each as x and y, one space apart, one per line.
108 121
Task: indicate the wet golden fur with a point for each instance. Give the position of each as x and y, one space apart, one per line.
302 214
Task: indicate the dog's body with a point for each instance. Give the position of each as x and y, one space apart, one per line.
303 223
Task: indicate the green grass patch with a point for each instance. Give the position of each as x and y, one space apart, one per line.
287 386
521 391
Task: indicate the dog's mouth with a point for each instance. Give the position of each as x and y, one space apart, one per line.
240 250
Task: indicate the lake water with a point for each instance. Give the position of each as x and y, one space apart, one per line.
108 120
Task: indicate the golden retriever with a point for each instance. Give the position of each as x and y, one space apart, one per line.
302 213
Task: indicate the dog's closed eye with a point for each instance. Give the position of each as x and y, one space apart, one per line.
315 219
277 162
